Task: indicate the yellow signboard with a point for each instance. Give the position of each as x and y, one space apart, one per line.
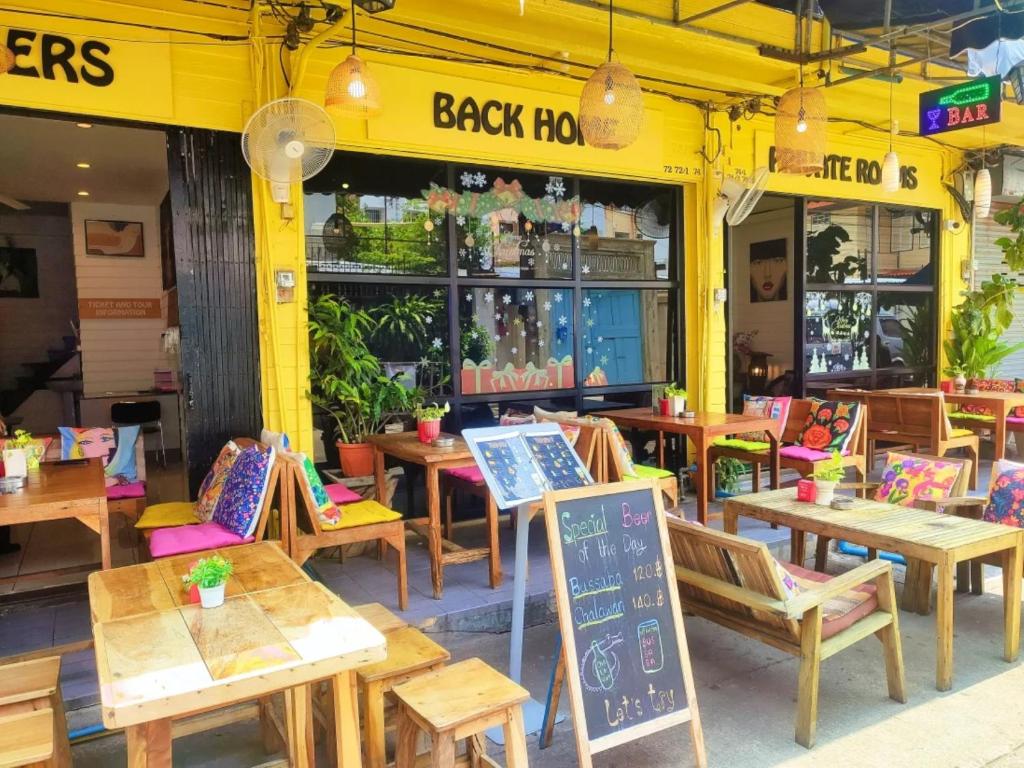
68 69
427 112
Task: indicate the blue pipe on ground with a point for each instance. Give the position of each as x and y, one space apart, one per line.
87 730
854 549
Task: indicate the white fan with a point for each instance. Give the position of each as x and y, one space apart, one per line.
287 141
10 202
654 218
735 202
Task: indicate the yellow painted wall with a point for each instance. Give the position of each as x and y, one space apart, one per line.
174 77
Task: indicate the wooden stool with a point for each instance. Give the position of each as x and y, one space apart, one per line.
456 703
26 739
410 654
26 689
380 618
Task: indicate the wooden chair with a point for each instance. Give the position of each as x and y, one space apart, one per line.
459 703
855 455
362 521
918 580
735 582
920 420
33 728
614 469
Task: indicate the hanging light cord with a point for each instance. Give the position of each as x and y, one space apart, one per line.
611 26
353 12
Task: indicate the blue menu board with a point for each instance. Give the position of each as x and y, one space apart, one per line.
520 462
625 653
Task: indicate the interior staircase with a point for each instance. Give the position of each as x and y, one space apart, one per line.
41 376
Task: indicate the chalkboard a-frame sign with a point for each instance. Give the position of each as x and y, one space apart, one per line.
627 664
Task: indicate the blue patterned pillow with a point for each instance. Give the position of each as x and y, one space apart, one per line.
239 505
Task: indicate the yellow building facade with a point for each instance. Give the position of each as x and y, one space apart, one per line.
180 63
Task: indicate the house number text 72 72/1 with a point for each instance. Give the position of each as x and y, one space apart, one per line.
681 170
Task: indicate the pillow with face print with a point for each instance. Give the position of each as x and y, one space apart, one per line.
87 443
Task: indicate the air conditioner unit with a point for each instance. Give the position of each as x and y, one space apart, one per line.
1008 178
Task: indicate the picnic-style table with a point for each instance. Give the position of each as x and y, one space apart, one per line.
931 537
700 430
406 446
159 657
58 491
1000 403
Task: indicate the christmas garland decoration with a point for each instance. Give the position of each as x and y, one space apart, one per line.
502 196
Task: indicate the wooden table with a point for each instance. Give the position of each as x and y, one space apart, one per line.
701 430
1000 403
57 491
160 658
405 446
931 537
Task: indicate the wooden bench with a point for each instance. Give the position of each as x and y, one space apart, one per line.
735 582
33 728
856 455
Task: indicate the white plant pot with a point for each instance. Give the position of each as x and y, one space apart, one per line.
960 383
15 462
826 490
211 597
676 405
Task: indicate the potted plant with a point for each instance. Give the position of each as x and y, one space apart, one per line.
830 472
405 326
959 374
676 396
210 575
348 382
727 476
428 420
21 453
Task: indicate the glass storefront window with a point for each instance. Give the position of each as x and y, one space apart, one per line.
905 246
511 224
905 336
516 339
627 231
839 243
626 337
373 218
837 331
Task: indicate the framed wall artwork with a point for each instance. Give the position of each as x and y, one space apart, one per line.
19 273
122 239
768 271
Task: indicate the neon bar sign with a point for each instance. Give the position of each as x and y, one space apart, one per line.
967 105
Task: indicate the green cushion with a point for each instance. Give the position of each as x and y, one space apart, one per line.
743 445
974 416
643 472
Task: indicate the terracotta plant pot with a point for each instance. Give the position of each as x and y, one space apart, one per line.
356 458
428 430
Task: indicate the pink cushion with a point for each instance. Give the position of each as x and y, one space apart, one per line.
469 474
801 453
193 538
1014 420
340 493
867 605
127 491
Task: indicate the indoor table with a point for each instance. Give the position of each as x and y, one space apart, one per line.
160 657
701 429
406 446
931 537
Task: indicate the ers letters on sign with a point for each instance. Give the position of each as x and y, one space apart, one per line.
503 118
55 57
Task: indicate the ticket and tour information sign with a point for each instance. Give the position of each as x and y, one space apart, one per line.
626 659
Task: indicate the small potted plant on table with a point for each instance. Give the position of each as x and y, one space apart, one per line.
830 472
210 575
428 420
676 396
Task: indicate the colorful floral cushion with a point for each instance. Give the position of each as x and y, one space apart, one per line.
773 407
829 426
839 612
790 588
277 440
326 512
908 478
213 483
238 508
988 385
618 444
1006 494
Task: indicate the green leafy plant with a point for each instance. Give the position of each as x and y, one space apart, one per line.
674 390
1013 247
728 472
431 412
831 470
404 325
978 323
21 439
347 381
210 572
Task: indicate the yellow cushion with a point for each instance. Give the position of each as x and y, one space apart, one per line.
643 472
362 513
960 432
168 515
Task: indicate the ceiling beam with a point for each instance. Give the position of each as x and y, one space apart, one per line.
707 12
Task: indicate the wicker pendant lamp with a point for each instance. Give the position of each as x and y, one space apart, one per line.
801 123
6 59
352 91
612 104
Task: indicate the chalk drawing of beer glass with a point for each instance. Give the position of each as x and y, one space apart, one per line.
652 657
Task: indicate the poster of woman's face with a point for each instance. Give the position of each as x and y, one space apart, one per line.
768 271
